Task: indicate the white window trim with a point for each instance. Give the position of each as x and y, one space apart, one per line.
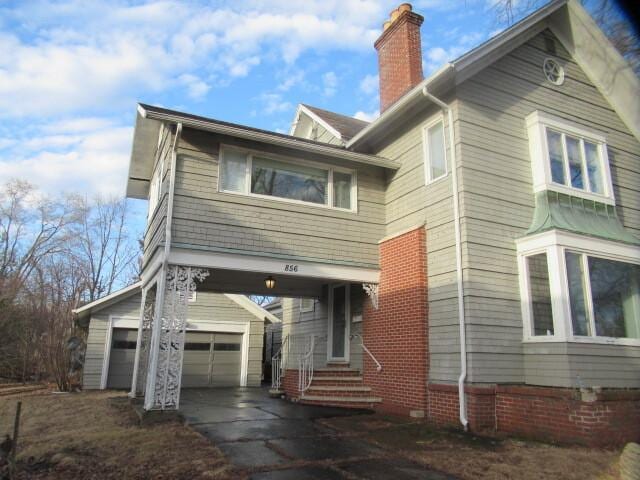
537 123
294 161
425 152
555 243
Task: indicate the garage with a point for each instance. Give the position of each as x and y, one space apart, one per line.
210 359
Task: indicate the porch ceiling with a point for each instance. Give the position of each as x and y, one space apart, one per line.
252 283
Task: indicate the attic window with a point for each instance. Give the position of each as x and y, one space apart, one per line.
553 71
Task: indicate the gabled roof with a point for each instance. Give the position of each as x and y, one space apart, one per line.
136 288
147 127
578 33
346 127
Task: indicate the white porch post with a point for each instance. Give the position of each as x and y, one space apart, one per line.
167 340
141 363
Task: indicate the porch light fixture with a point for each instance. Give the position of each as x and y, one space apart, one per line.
270 282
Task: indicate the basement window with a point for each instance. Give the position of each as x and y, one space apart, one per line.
298 181
435 162
579 289
568 158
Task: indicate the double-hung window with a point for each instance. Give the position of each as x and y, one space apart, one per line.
568 158
303 182
435 161
576 288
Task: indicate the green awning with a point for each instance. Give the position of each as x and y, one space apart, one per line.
573 214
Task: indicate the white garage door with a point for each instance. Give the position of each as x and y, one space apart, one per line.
210 359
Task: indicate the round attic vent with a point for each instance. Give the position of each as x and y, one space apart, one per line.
553 71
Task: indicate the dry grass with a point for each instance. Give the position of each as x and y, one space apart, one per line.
474 458
95 435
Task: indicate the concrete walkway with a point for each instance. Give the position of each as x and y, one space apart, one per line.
277 440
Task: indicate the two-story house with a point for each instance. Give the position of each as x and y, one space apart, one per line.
472 256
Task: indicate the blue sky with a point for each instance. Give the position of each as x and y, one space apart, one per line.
71 72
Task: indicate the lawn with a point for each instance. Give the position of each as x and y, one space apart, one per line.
95 435
471 458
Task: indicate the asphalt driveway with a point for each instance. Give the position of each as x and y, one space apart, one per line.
273 439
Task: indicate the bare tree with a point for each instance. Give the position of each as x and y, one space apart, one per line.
104 247
610 16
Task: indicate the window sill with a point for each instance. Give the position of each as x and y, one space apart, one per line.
575 192
286 200
437 180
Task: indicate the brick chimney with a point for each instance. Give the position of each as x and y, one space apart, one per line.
399 55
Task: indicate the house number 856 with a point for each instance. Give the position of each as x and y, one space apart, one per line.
290 268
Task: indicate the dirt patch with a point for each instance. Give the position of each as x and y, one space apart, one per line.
473 457
95 435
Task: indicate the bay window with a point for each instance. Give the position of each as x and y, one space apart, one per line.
568 158
580 289
257 175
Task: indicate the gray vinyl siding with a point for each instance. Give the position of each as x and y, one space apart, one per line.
323 135
497 205
299 326
208 308
156 224
204 218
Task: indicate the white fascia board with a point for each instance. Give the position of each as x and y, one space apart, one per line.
252 263
239 131
296 119
319 120
252 307
109 299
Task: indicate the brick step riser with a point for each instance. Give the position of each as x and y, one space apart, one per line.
368 406
337 393
336 384
336 373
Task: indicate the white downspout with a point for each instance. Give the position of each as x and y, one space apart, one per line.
456 224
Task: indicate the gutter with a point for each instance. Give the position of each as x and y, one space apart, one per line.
238 131
459 280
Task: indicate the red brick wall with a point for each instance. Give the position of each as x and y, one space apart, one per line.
396 333
290 383
562 415
399 58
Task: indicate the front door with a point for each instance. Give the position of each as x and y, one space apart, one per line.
339 316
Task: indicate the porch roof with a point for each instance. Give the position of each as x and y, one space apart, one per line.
148 121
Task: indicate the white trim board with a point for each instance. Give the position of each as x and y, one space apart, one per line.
250 263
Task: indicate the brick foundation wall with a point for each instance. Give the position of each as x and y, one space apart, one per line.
607 418
611 417
396 333
290 383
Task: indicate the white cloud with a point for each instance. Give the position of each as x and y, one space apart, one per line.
330 83
274 103
370 84
94 162
196 88
367 116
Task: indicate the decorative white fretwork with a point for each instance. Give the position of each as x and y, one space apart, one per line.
371 289
149 302
180 285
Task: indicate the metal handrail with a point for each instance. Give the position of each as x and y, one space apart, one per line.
305 367
278 363
364 347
